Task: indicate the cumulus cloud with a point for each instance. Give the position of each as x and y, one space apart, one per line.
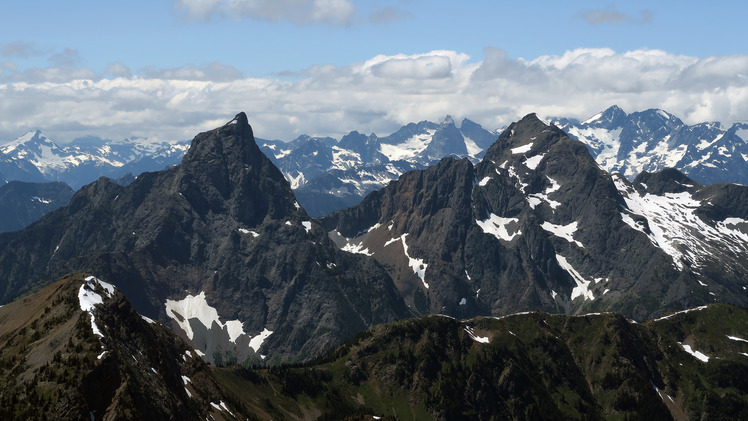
424 67
333 12
377 95
610 15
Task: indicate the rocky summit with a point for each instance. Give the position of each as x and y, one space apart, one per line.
537 224
218 248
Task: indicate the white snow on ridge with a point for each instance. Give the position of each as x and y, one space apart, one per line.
522 149
357 248
196 307
593 118
246 231
582 288
41 200
497 226
408 149
735 338
484 181
534 199
88 298
532 163
419 268
563 231
680 312
480 339
256 342
677 230
605 142
472 148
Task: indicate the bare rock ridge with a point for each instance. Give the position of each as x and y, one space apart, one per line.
77 350
219 247
537 224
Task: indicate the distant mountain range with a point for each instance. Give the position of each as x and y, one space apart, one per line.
654 139
328 175
34 157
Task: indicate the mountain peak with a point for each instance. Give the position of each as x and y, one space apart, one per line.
448 120
240 119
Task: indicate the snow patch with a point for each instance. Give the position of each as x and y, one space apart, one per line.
699 355
246 231
357 248
497 226
582 288
563 231
680 312
418 266
735 338
87 299
195 307
484 181
480 339
522 149
307 225
677 229
533 162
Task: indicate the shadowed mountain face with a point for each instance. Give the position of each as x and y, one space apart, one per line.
22 203
217 245
537 224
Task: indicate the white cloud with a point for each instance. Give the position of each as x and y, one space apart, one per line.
333 12
377 95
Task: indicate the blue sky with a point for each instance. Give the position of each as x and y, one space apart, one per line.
168 69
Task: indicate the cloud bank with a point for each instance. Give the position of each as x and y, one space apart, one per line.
377 95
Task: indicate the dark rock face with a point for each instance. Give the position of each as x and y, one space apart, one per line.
22 203
537 224
225 226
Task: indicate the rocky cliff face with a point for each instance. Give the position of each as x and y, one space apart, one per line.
218 246
537 224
